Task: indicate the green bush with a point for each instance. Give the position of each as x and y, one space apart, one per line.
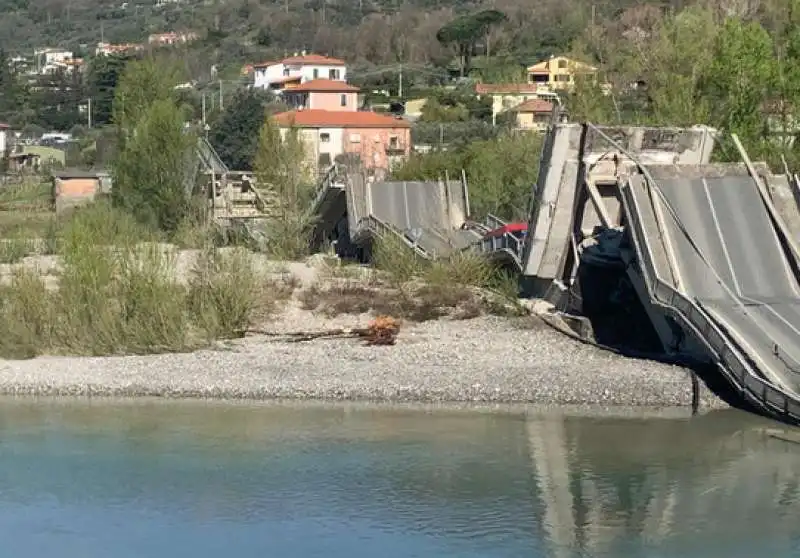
501 172
222 292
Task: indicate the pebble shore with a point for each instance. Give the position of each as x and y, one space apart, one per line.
480 360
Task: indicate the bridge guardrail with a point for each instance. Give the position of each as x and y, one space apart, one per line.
372 225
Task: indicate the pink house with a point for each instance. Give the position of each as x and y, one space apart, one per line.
379 140
323 94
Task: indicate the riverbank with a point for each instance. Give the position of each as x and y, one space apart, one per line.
488 359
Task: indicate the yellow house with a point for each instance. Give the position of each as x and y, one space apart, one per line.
558 72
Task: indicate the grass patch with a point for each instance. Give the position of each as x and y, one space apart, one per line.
14 248
416 303
464 286
117 294
398 263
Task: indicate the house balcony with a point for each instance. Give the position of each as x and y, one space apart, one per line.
396 148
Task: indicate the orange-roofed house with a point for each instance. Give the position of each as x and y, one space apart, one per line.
506 96
323 94
534 114
379 140
295 70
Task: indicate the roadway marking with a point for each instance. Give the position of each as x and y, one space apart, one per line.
724 246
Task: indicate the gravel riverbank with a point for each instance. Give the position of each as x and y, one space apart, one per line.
484 359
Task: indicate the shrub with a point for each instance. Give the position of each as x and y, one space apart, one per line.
392 256
151 304
222 292
26 324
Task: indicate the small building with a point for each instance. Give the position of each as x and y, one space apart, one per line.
48 60
378 140
171 38
298 69
506 96
323 94
558 73
535 114
109 49
74 188
35 158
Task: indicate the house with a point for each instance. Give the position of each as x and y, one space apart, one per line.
33 158
49 60
323 94
108 49
506 96
296 70
535 114
379 140
170 38
558 73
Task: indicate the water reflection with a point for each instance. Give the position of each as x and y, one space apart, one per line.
357 481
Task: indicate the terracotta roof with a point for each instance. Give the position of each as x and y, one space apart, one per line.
312 59
504 88
266 64
316 118
4 126
535 105
326 85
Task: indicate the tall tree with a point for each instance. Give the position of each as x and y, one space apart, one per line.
150 170
236 134
151 175
283 179
741 78
12 91
466 31
142 83
104 73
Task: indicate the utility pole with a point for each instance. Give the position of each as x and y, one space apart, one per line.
89 113
400 86
204 109
220 96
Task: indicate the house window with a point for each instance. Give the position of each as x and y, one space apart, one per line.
316 73
343 100
394 143
333 74
540 78
324 159
286 72
562 64
562 77
355 138
324 137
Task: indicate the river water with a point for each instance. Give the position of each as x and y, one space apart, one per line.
148 479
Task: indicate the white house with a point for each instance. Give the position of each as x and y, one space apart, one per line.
48 59
297 69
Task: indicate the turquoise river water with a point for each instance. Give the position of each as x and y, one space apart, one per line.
123 479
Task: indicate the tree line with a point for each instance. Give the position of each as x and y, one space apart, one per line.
700 65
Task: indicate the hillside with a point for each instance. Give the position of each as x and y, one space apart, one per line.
377 32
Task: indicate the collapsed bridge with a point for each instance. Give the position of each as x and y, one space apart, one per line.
707 251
